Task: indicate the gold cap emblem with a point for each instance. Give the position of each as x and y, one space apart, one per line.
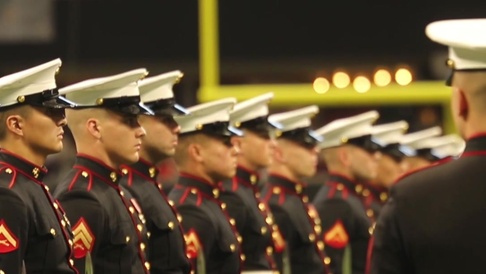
450 63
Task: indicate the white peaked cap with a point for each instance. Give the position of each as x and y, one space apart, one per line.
159 87
418 139
27 82
251 109
390 133
206 113
339 131
448 146
294 119
466 39
89 92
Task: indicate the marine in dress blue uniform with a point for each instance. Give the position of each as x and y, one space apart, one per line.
35 236
348 151
295 158
205 156
254 221
166 250
417 142
390 167
108 223
434 220
435 150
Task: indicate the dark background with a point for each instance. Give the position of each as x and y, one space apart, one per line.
261 41
123 34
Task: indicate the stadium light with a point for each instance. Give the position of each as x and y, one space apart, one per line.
341 79
321 85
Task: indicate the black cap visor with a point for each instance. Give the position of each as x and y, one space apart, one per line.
261 126
216 129
397 151
427 154
166 107
48 98
305 137
126 104
366 142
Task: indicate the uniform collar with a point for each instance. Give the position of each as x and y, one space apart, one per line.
97 166
347 182
476 143
28 168
143 168
288 185
202 185
247 176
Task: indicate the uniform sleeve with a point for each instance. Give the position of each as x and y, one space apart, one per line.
283 221
236 209
87 219
200 235
337 225
13 231
388 253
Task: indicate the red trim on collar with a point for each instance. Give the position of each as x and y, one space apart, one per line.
43 168
14 169
200 179
97 160
91 172
132 171
83 168
474 153
408 173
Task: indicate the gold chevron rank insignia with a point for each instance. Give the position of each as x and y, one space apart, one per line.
336 236
8 241
83 239
193 244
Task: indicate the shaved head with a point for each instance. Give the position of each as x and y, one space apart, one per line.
77 119
181 154
473 83
468 102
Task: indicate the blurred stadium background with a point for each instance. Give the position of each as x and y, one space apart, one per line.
345 56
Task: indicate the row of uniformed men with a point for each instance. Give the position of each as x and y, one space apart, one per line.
215 220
